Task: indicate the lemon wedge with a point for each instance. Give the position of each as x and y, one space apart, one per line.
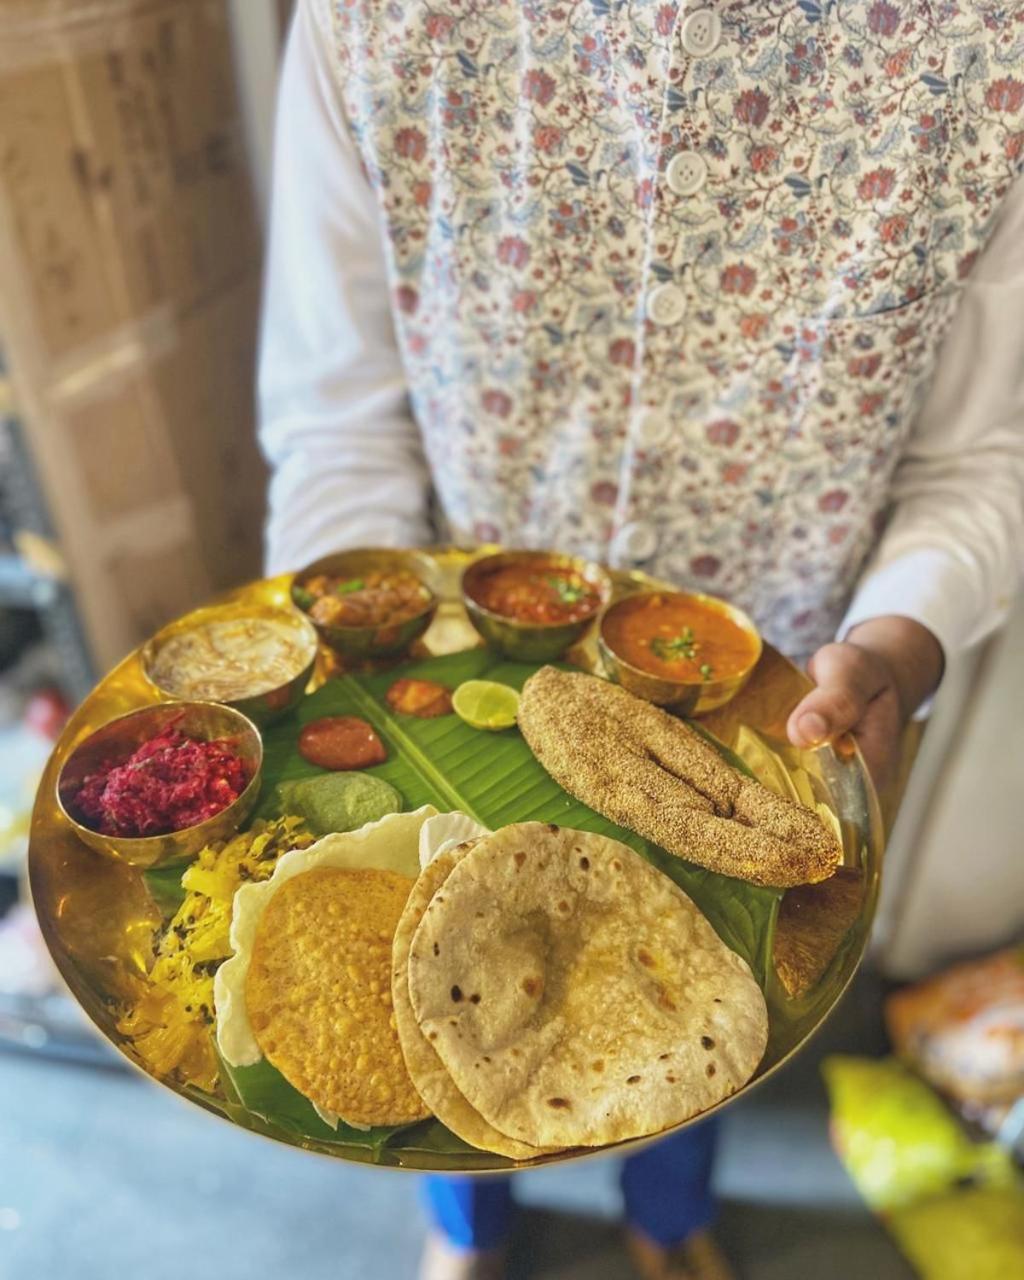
485 704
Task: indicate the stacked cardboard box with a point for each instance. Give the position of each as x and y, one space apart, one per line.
129 264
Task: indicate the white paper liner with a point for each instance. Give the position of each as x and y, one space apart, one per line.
444 832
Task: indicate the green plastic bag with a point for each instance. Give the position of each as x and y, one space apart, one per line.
900 1144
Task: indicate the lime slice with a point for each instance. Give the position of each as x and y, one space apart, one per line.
485 704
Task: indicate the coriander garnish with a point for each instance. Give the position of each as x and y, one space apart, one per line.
673 649
567 592
346 588
706 671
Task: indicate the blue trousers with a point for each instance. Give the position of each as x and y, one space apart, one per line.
666 1189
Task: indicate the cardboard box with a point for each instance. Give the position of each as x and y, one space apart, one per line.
129 268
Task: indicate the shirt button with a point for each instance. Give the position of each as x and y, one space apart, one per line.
686 173
635 541
702 32
666 304
652 428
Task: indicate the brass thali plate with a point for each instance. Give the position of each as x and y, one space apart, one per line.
98 918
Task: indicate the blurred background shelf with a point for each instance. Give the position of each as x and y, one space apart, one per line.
37 602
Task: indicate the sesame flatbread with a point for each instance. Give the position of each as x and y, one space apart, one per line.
318 993
426 1069
575 995
646 770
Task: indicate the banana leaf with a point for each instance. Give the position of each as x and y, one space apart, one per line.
262 1090
495 778
165 887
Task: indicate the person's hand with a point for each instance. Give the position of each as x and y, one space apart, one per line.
869 685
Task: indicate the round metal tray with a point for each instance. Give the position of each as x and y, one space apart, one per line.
98 918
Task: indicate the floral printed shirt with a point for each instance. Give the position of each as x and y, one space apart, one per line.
672 285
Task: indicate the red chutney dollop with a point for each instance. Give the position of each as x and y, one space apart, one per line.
341 742
169 783
422 698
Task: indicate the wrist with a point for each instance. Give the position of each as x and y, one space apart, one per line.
911 652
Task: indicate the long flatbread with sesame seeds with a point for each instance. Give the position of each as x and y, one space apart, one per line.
648 771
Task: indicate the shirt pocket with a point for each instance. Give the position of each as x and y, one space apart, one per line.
854 385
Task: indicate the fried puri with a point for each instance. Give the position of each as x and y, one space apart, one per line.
319 993
646 770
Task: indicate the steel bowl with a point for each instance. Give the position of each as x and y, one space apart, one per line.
117 739
262 707
687 697
371 641
531 641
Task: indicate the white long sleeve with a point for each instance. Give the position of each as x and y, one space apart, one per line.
953 552
348 465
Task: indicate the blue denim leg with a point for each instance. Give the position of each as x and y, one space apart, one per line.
473 1213
667 1188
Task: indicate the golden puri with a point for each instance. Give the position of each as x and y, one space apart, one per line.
318 993
644 769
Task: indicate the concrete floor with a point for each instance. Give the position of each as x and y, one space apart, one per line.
103 1175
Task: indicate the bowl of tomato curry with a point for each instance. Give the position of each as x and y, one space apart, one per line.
686 651
533 605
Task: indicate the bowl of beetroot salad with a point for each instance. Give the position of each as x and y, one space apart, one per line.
160 773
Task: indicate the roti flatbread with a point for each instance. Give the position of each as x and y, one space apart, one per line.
432 1081
575 995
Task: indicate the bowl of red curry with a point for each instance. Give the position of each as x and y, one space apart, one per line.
679 649
161 783
368 602
533 605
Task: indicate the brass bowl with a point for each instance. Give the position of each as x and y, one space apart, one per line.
265 706
687 697
116 740
372 641
531 641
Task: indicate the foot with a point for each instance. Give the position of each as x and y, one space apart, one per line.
695 1258
442 1261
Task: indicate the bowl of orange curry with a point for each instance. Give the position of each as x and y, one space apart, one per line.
533 605
679 649
369 602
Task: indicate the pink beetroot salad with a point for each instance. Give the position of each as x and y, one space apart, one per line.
169 783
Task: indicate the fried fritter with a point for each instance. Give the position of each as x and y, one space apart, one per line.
644 769
813 921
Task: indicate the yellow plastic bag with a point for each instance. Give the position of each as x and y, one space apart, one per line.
973 1234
